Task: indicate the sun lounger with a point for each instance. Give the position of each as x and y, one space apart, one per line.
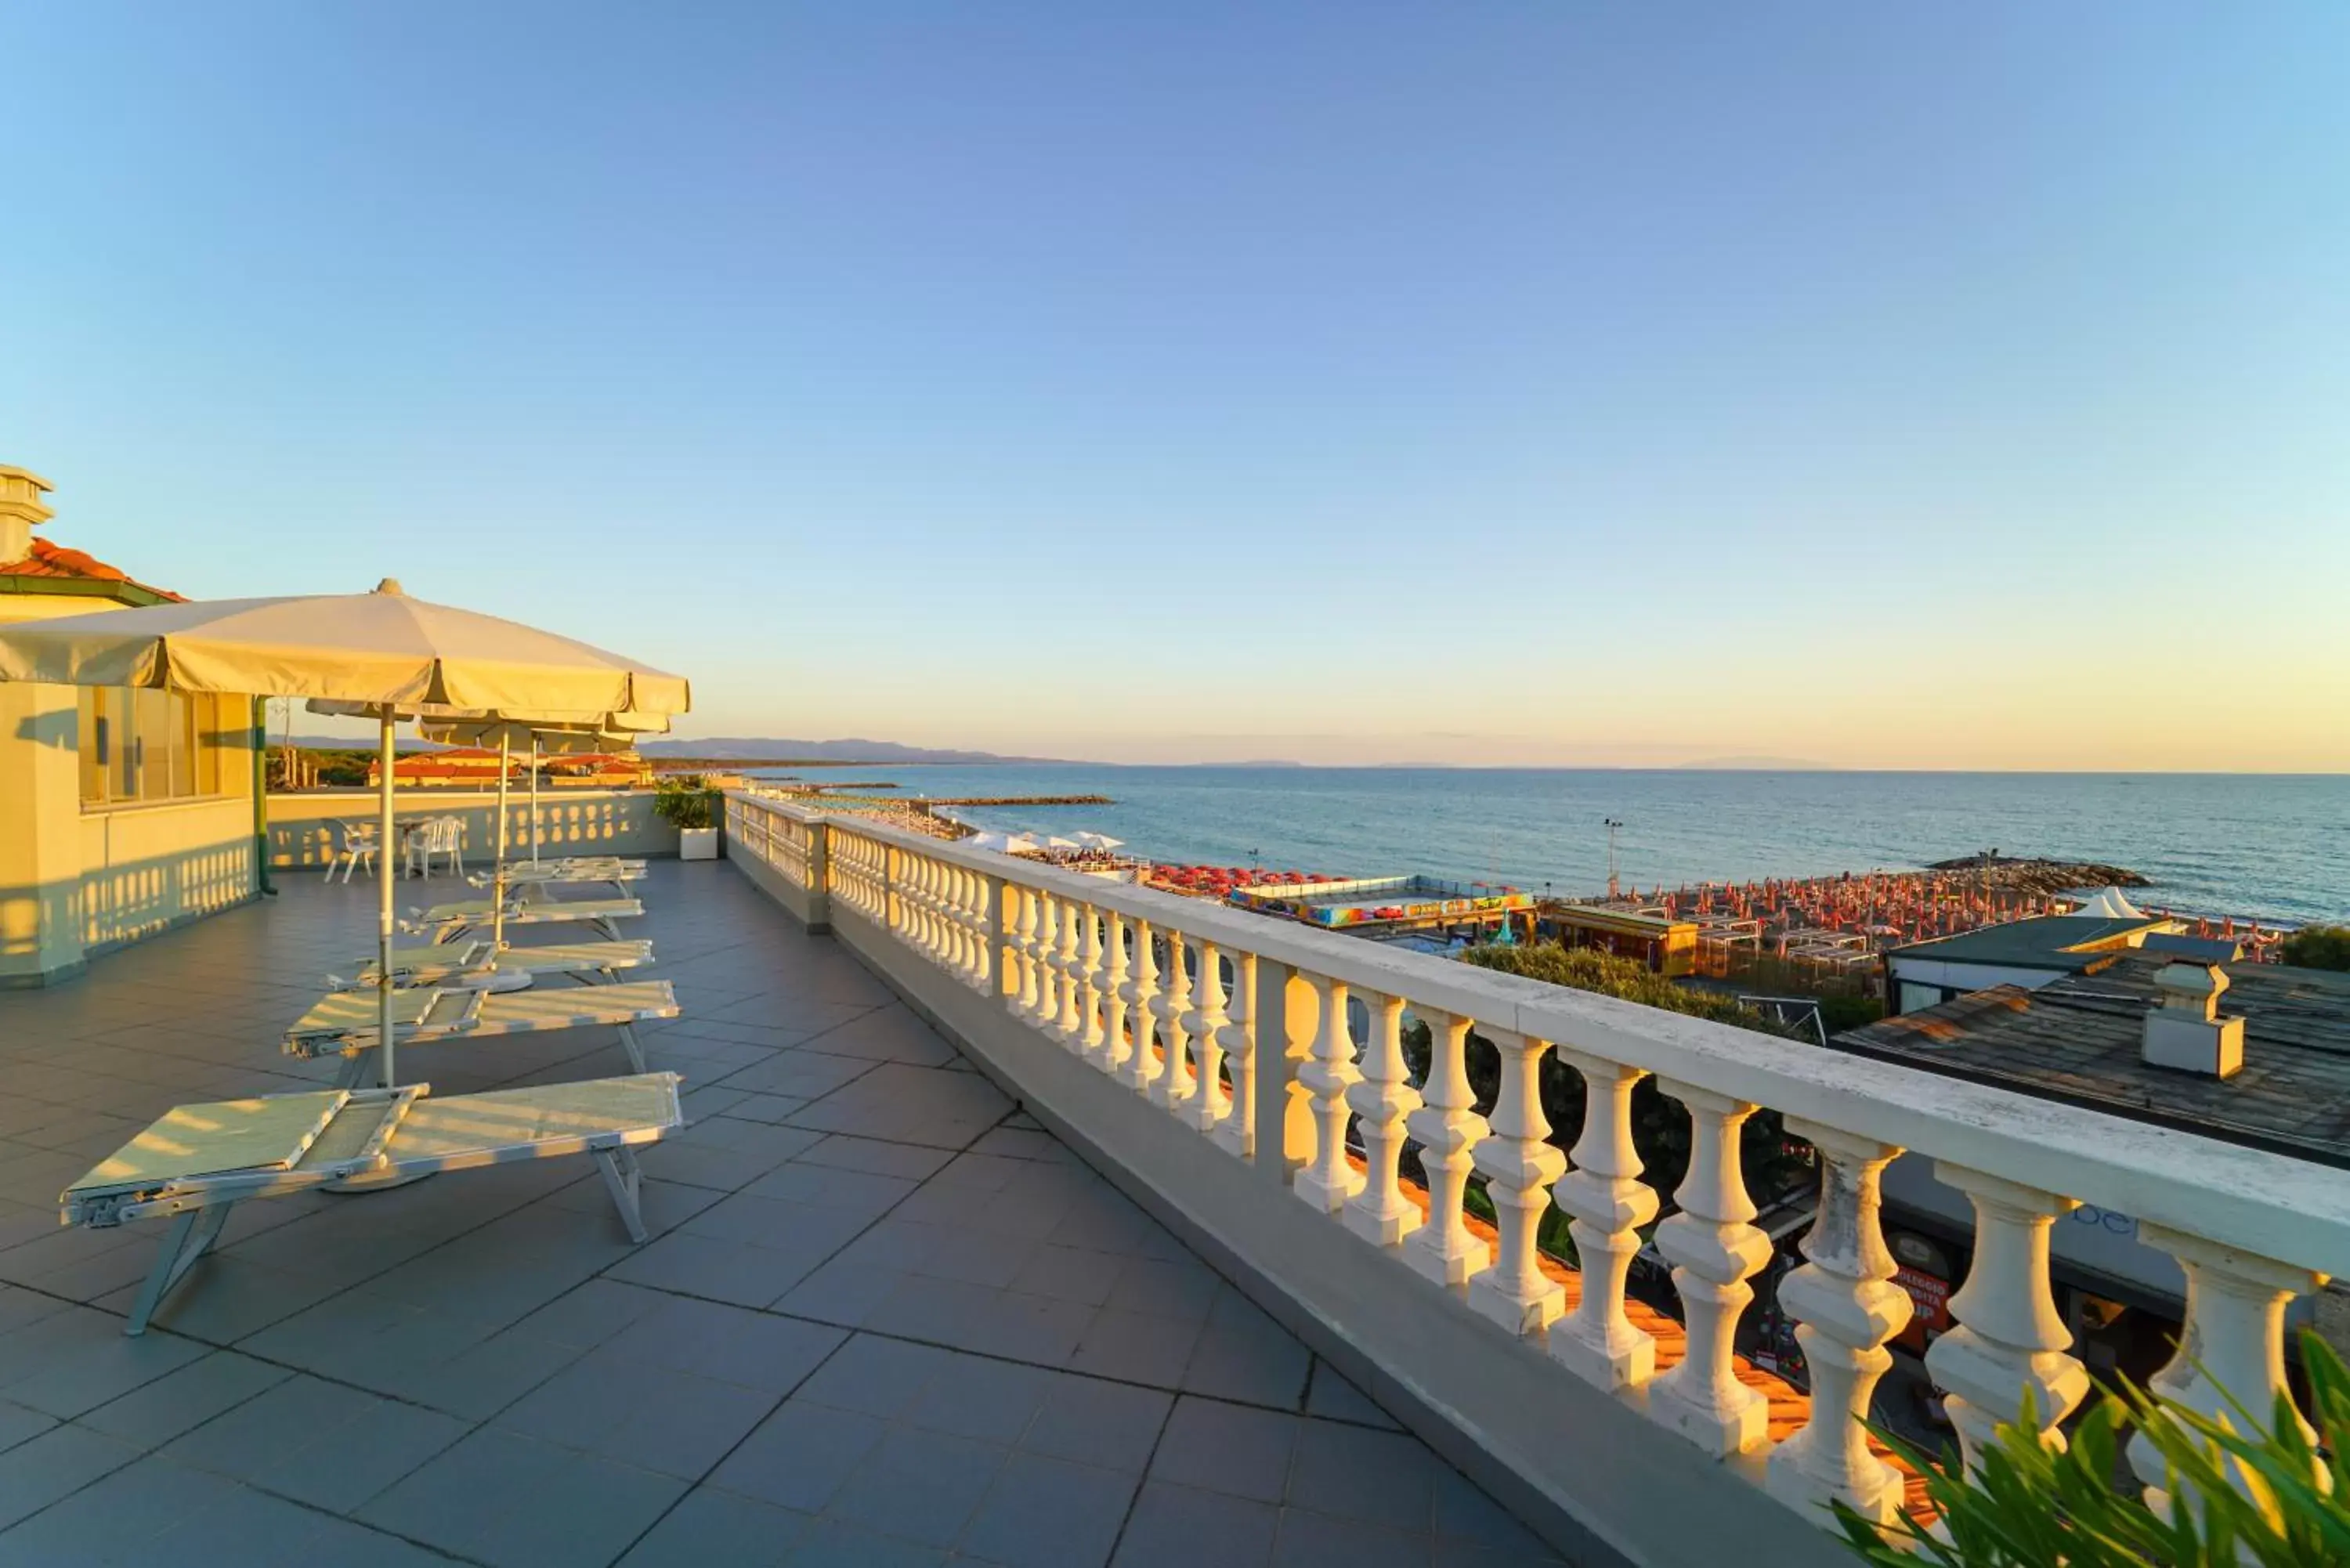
198 1162
582 869
458 964
346 1022
448 922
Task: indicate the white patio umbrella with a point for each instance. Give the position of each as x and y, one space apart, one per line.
1001 843
1095 841
382 651
1055 841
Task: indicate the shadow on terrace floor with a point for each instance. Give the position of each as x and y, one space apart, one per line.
884 1318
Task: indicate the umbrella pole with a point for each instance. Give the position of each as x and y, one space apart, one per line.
383 906
534 797
498 867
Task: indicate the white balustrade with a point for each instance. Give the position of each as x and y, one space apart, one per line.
1714 1247
2009 1336
1209 1023
1607 1203
1066 1022
1115 998
1329 1178
1518 1163
1023 944
1236 1127
1383 1099
2230 1357
1098 969
1173 1085
1089 999
1847 1306
1140 994
1448 1129
1046 963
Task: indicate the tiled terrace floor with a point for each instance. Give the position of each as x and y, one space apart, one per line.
884 1318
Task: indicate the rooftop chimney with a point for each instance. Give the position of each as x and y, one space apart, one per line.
20 509
2186 1031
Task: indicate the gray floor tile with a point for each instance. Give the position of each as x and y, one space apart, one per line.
714 1528
19 1424
1466 1515
319 1442
799 1457
837 1543
976 1396
1352 1472
670 1422
1315 1540
77 1360
1331 1395
1051 1513
1098 1422
61 1460
154 1415
1136 1348
920 1486
1227 1448
1244 1354
1183 1527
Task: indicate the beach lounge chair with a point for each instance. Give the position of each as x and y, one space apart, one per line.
346 1022
458 964
585 870
199 1162
447 922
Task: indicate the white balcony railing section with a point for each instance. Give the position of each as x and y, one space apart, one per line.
1167 996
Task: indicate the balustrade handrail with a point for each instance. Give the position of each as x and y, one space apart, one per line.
2279 1207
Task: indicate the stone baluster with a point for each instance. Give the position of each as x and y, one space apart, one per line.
1089 1002
1518 1165
1024 947
1048 975
1176 1083
922 919
1329 1178
2009 1336
1067 1023
1847 1306
1208 1022
1383 1099
2231 1348
1448 1127
1235 1131
1141 994
971 923
1112 1057
1607 1203
1714 1249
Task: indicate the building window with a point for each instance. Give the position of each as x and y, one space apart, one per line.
147 745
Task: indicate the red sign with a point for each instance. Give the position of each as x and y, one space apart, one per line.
1929 1308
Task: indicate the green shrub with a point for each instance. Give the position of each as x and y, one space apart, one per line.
2027 1507
686 800
2317 946
1629 979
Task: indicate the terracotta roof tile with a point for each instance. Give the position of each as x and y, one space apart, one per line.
49 560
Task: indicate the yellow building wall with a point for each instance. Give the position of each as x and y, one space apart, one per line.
77 881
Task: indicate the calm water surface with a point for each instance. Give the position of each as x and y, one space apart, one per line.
2239 843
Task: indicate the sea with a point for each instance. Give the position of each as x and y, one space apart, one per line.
2269 846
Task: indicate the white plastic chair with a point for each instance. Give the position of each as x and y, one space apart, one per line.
436 836
356 841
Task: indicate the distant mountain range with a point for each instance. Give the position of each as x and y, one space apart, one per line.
739 749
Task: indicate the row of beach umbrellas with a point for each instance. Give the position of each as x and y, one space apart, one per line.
462 675
1039 843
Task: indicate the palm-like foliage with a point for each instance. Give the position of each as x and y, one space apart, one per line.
2029 1507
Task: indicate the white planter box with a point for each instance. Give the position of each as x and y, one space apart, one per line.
697 843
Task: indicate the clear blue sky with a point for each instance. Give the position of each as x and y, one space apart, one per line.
1961 385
